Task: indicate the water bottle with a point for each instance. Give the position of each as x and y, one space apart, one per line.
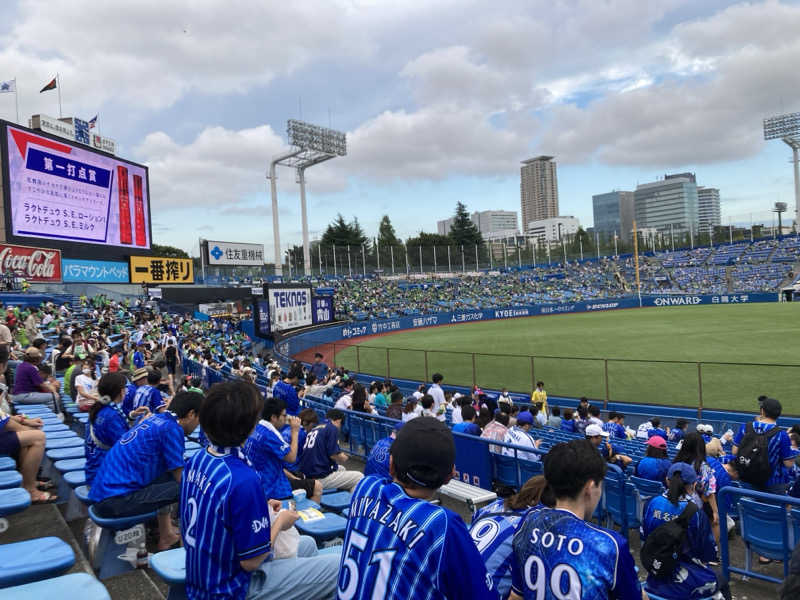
142 557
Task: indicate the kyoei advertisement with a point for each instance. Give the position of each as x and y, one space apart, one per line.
63 191
34 264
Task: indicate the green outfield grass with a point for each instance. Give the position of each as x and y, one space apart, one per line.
745 334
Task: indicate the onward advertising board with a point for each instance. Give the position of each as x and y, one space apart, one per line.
235 254
61 190
289 307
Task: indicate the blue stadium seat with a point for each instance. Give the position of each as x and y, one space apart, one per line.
764 530
528 469
652 596
7 463
170 565
74 585
71 464
31 560
75 478
65 453
82 493
346 513
10 479
66 434
48 429
63 443
13 501
106 562
505 470
619 501
323 529
336 502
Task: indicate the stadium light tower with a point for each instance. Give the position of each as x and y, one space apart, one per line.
310 145
787 128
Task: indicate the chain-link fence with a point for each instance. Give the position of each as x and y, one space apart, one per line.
710 385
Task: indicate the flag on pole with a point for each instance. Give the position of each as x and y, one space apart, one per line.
50 86
8 87
93 122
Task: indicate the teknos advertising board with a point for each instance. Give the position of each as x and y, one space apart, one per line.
289 306
39 265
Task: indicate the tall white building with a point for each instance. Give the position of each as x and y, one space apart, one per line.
708 212
538 189
552 230
670 203
487 222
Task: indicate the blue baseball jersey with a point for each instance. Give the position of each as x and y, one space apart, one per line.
286 434
138 359
690 580
654 469
322 442
615 430
224 520
265 448
465 427
492 530
378 459
779 449
676 435
127 401
151 448
398 547
558 555
287 393
656 431
147 395
109 426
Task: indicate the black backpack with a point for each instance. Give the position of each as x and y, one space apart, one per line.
661 550
752 459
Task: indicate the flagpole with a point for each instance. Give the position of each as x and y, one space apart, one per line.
58 85
16 99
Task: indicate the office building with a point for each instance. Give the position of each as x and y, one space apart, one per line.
538 189
552 230
708 212
487 221
670 203
613 212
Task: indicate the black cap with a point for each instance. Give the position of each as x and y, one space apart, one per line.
424 452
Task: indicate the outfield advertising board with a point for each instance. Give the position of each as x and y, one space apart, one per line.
289 307
94 271
235 254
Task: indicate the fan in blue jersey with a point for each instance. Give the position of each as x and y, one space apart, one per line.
378 459
677 433
313 487
656 429
599 439
400 546
148 394
693 579
467 424
107 422
557 553
284 390
323 459
130 393
615 427
267 450
655 464
493 529
142 470
225 517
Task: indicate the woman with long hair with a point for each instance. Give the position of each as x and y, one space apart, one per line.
693 578
494 525
360 402
107 422
693 452
411 410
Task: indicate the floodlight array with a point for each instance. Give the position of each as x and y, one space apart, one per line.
313 137
782 126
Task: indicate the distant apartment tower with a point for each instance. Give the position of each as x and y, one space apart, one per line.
487 221
708 212
613 213
671 202
538 189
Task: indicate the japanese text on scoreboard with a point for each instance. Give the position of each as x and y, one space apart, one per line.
60 190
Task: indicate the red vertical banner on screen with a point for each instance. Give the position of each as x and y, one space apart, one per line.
125 236
138 208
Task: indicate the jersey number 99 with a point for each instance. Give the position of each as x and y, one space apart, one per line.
535 580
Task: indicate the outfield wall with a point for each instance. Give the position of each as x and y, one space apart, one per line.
300 341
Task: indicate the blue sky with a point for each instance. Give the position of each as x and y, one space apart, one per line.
441 101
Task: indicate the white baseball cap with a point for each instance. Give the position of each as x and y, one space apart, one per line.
594 429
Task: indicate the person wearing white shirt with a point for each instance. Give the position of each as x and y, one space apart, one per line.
519 435
420 392
455 416
436 391
345 401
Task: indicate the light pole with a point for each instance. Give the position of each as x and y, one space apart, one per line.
787 128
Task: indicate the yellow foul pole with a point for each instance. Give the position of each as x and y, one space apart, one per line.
636 261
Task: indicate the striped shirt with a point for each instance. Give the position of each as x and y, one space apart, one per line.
224 520
398 547
265 448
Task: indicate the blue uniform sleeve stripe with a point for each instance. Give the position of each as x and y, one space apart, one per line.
252 552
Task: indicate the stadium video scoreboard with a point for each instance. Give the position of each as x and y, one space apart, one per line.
290 306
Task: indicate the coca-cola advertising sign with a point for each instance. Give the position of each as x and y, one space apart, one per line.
34 264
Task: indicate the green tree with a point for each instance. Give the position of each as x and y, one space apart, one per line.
386 234
342 233
464 232
581 238
168 251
